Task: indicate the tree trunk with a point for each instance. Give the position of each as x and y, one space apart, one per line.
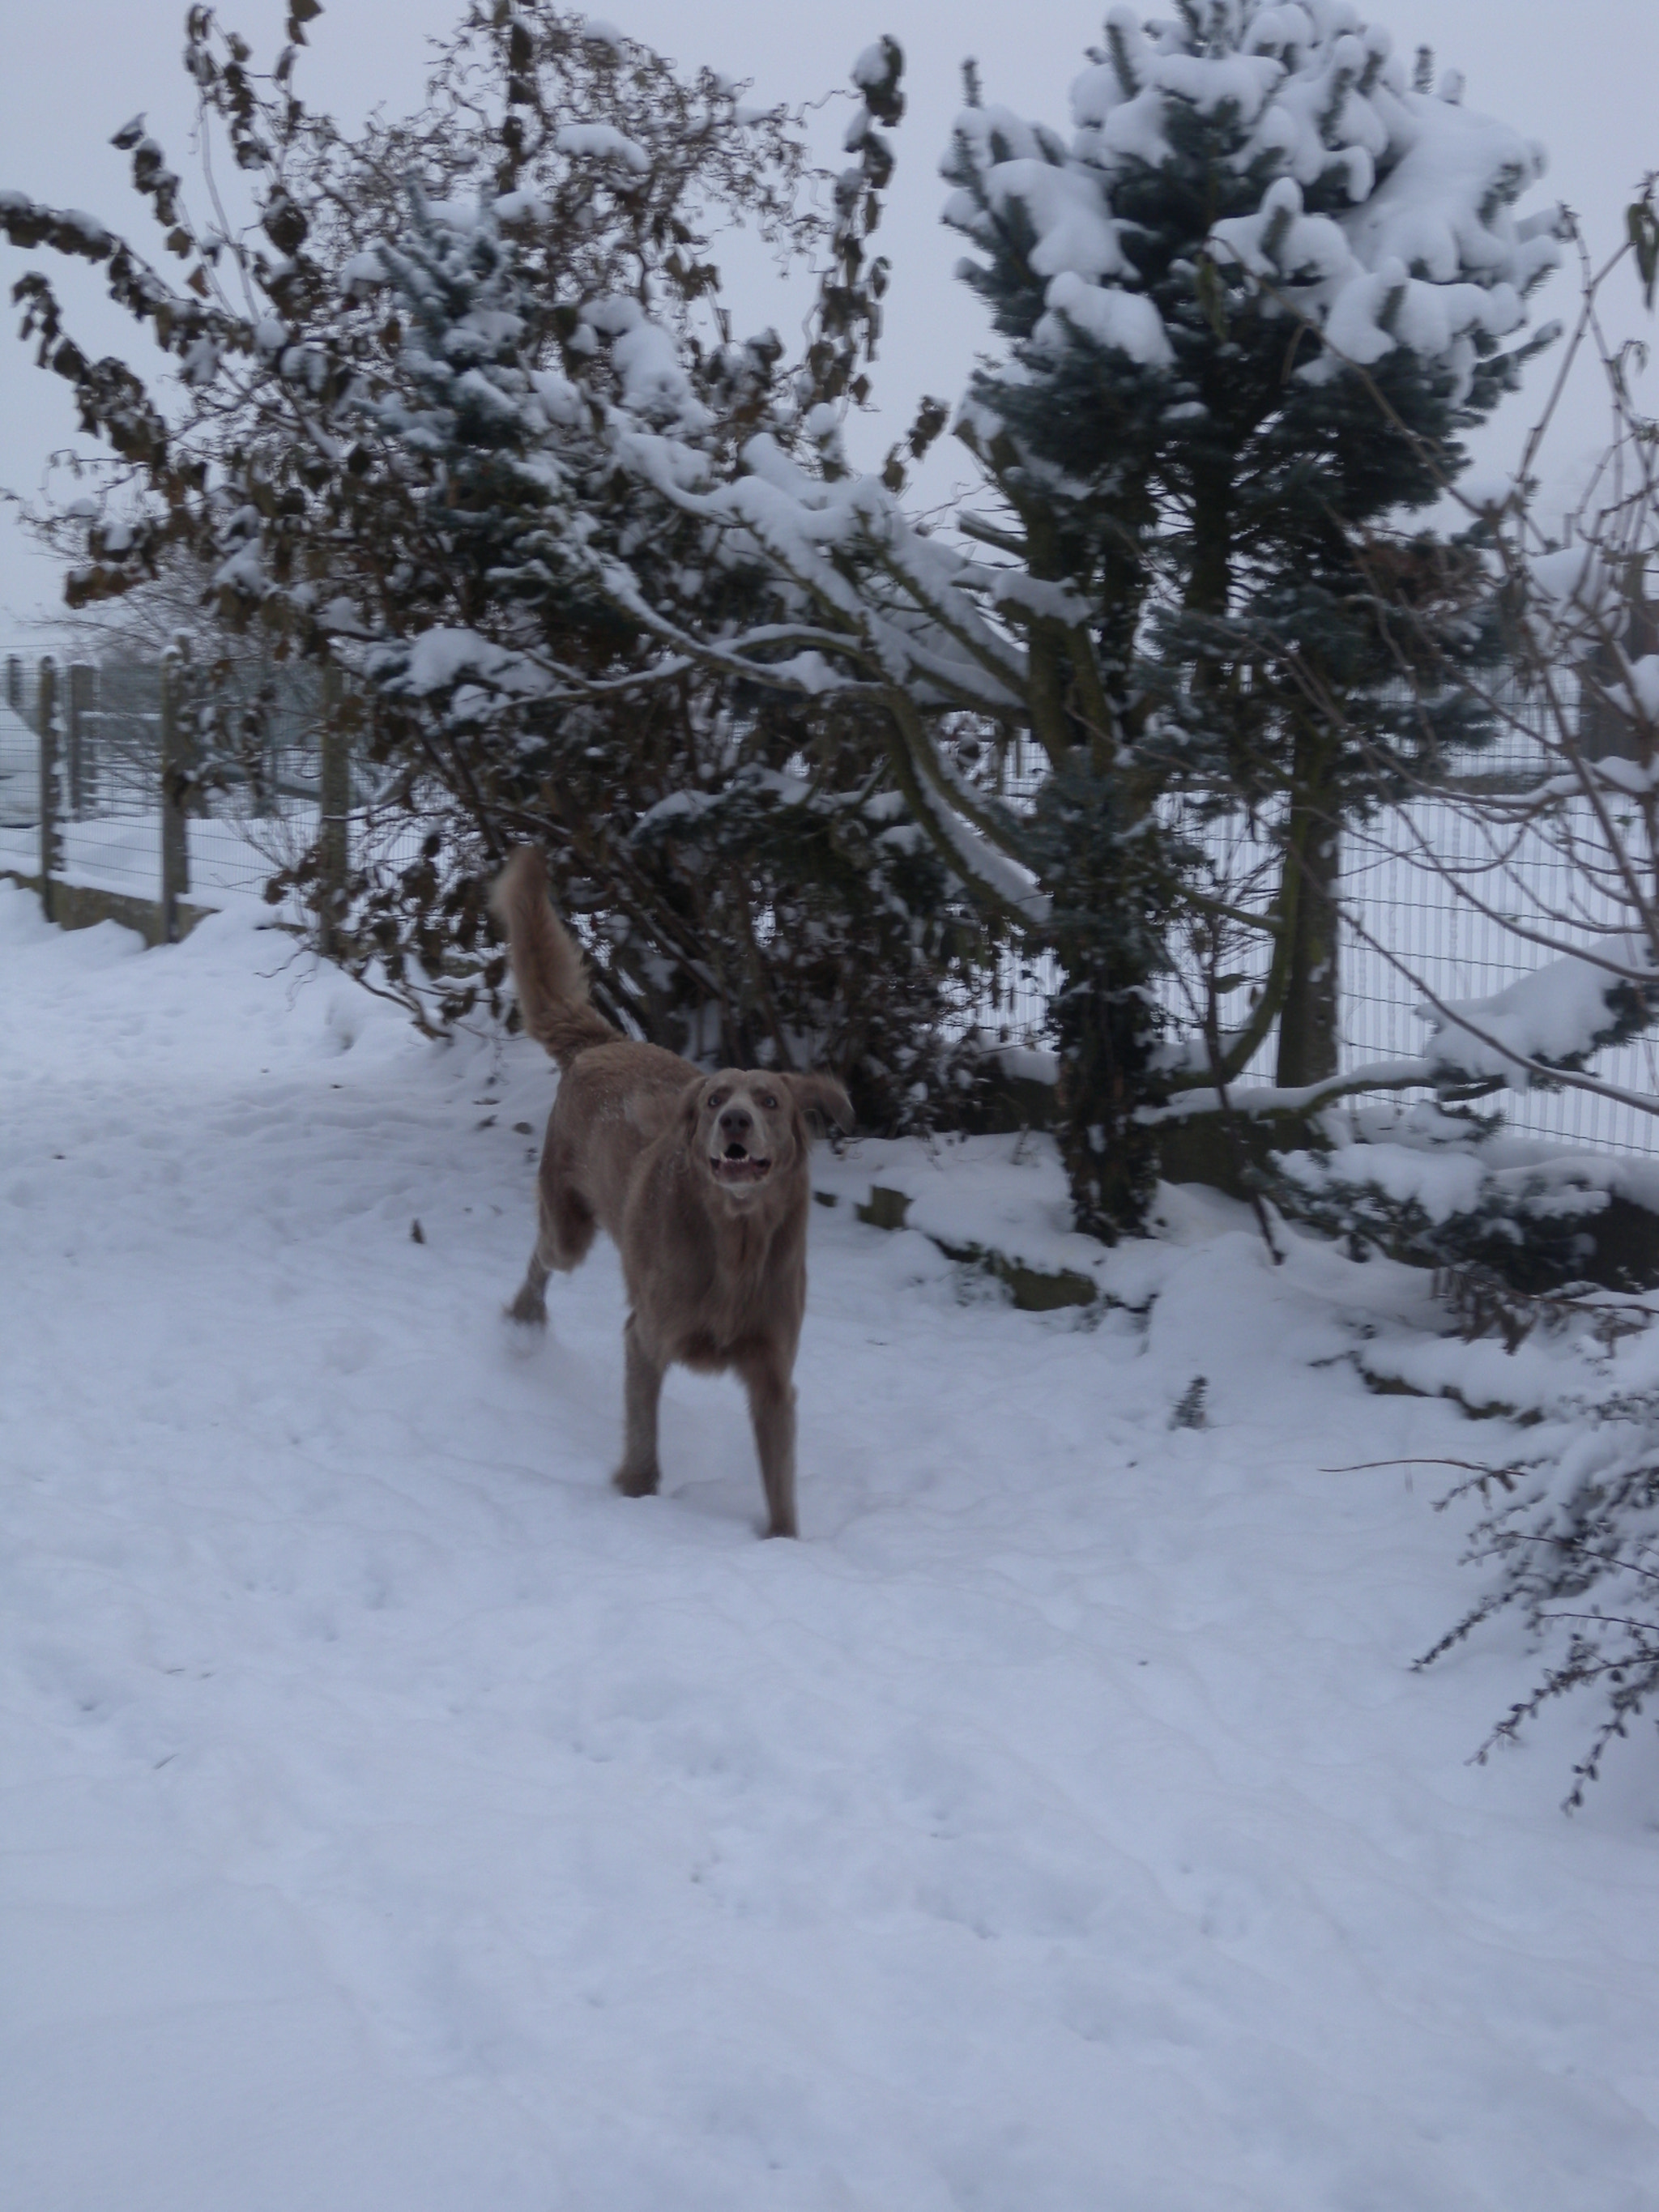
1110 1156
1307 1026
1102 867
1209 581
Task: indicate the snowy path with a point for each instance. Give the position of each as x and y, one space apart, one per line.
392 1819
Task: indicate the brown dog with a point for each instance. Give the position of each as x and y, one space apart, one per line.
700 1180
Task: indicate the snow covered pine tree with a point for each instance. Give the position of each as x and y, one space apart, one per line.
1256 199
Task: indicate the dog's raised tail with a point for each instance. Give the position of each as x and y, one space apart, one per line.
547 963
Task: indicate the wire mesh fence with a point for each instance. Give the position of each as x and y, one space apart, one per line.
104 772
1456 931
1431 914
108 805
1413 931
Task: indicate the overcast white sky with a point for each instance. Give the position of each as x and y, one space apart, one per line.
1580 75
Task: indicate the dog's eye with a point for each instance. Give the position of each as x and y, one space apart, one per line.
766 1102
717 1098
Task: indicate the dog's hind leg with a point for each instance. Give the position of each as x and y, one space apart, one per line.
772 1410
530 1306
568 1229
639 1474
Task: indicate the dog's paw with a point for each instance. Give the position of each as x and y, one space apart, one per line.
637 1481
529 1308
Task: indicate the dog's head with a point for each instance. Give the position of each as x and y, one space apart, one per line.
749 1124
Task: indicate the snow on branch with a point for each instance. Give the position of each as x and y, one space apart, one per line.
1552 1020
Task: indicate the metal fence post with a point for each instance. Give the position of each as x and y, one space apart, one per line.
82 677
52 843
334 829
175 833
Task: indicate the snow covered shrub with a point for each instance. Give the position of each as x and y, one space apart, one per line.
1444 1190
826 928
446 448
1573 1534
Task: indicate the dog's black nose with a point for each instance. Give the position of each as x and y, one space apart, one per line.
736 1122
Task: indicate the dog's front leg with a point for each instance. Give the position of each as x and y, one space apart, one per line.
638 1475
772 1410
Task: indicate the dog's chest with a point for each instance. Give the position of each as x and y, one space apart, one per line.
747 1290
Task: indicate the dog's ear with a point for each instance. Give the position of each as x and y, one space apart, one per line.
822 1096
691 1102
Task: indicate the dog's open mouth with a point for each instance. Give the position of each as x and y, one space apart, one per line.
736 1166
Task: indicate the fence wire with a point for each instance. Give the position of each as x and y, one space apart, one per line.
1398 905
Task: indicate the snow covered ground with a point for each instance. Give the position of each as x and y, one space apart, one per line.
393 1820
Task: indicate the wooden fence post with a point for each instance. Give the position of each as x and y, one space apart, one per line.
14 684
52 843
175 833
82 677
334 828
